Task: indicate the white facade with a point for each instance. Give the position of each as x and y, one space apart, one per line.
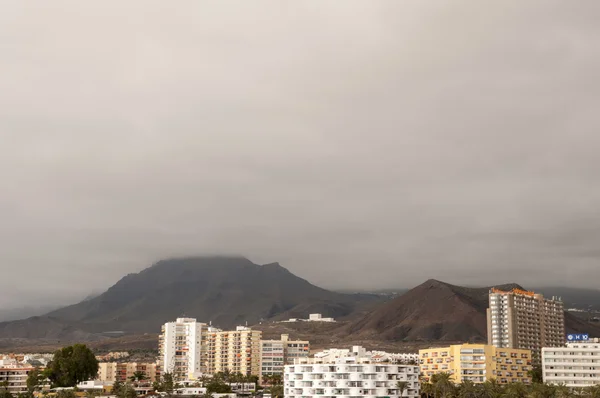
319 318
349 376
311 318
183 348
576 365
374 356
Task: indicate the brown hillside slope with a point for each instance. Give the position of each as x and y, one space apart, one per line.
436 310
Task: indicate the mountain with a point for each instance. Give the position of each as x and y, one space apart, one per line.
226 291
583 299
230 291
436 310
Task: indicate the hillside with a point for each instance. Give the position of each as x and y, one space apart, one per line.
226 291
436 310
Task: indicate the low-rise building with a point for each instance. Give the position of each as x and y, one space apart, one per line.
312 318
349 376
124 371
576 365
477 363
15 378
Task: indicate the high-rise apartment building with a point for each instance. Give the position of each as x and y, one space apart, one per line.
237 351
183 347
477 363
576 365
522 319
275 354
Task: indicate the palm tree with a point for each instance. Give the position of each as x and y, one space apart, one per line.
562 391
426 389
491 389
516 390
401 385
443 387
276 391
593 392
137 377
540 390
468 389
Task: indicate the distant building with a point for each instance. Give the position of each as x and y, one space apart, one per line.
183 348
237 351
15 378
319 318
311 318
374 356
477 363
349 376
109 372
522 319
112 356
576 365
275 354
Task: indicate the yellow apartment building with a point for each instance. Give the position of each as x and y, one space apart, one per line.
123 371
238 351
476 363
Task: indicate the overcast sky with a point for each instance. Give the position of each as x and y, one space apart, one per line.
358 143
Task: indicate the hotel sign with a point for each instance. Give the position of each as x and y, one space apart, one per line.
578 337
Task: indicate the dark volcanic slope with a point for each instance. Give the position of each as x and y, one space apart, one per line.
224 290
439 311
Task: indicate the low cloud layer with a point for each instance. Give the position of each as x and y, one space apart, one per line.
365 144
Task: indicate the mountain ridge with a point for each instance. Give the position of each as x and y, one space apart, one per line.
232 290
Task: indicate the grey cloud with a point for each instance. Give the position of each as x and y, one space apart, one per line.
372 144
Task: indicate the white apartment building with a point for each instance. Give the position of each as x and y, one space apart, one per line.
183 348
576 365
275 354
349 376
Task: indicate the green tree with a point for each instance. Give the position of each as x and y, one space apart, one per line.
116 387
217 386
592 392
401 386
562 391
516 390
427 389
541 390
491 389
127 391
138 376
468 389
4 393
35 379
535 374
276 391
72 365
167 384
254 378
